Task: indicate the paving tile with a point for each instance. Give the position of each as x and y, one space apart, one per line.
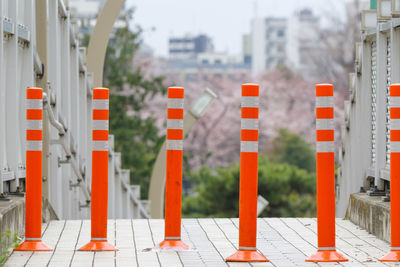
284 241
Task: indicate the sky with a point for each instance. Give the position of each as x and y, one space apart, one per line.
223 20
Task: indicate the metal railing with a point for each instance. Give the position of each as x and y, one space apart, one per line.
67 104
365 151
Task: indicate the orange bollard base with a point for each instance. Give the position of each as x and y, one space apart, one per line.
173 244
247 255
326 256
393 255
98 245
33 246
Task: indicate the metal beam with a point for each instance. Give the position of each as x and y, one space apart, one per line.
99 39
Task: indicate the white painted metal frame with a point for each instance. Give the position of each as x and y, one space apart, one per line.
69 101
365 145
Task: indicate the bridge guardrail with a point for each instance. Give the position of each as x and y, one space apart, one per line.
67 125
365 151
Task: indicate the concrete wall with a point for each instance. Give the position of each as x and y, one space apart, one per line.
371 214
365 152
356 135
12 217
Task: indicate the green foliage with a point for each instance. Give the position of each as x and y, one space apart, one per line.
289 190
217 193
7 238
137 137
292 149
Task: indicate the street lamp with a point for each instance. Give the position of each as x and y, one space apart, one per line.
201 104
262 203
157 182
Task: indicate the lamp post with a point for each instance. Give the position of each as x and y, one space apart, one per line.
262 203
157 182
99 39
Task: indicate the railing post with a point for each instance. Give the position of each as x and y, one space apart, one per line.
248 177
394 254
111 180
325 136
3 153
173 190
99 173
33 196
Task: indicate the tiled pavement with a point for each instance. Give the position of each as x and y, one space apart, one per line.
284 241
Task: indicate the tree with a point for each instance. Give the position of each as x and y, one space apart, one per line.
292 149
136 135
286 100
289 190
336 58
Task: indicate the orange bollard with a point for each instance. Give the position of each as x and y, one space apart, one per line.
248 177
394 254
33 196
325 177
99 173
173 189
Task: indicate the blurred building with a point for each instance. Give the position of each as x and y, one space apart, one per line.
303 42
353 17
281 41
188 47
194 59
210 66
246 48
85 12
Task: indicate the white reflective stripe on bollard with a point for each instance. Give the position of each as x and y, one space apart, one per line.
100 104
248 146
174 124
326 248
174 144
100 124
249 102
34 124
324 102
395 146
324 124
175 103
394 124
34 103
327 146
394 101
100 145
247 248
249 124
34 145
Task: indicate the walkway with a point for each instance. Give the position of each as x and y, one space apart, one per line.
285 241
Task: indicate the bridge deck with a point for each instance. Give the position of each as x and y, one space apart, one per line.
285 241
